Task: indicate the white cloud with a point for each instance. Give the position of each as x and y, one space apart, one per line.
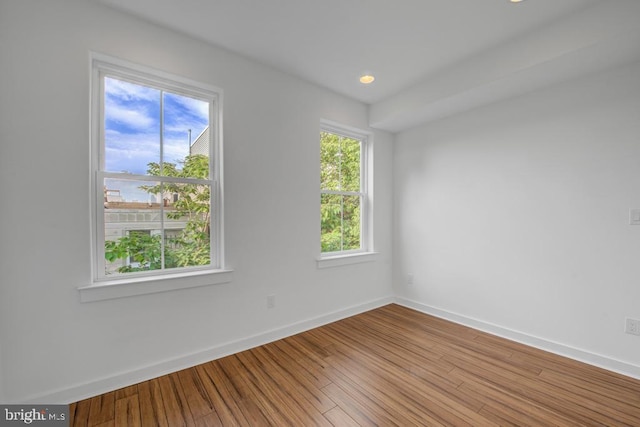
133 118
126 91
193 106
130 152
175 150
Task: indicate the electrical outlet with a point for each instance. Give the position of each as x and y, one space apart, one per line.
632 326
634 216
409 279
271 301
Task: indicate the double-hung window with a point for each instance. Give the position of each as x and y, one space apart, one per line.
345 202
156 162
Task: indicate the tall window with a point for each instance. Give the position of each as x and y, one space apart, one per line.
344 204
156 168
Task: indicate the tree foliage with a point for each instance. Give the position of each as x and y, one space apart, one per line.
142 250
192 246
339 173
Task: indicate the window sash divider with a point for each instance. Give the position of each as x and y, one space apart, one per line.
343 193
154 178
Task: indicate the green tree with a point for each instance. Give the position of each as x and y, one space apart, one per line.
142 250
192 246
339 172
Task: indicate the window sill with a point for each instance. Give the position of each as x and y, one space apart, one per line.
339 260
99 291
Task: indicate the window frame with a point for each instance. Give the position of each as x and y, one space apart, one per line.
366 250
106 66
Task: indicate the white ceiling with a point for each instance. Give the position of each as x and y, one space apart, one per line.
404 43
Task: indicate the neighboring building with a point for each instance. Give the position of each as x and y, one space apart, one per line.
201 144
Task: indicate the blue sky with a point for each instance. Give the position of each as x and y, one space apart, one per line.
132 129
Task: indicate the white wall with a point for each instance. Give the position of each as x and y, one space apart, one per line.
2 396
515 217
58 349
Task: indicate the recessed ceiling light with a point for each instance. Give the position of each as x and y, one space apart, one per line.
367 79
516 1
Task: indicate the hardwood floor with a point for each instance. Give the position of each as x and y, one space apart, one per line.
390 366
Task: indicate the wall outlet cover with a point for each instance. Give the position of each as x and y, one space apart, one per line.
632 326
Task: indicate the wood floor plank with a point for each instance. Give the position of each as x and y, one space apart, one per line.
392 385
225 398
127 411
268 386
195 394
258 390
152 411
404 351
503 406
624 409
531 390
378 398
358 405
126 392
593 388
175 404
404 395
311 369
102 409
288 376
387 370
390 366
211 420
338 418
79 413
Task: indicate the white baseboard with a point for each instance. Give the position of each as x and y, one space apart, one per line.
145 373
594 359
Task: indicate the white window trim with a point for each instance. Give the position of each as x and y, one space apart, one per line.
346 259
102 288
153 284
366 253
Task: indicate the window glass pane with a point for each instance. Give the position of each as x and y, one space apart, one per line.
349 165
176 214
340 222
329 161
187 248
131 126
351 222
331 222
132 227
130 192
189 217
185 134
339 163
